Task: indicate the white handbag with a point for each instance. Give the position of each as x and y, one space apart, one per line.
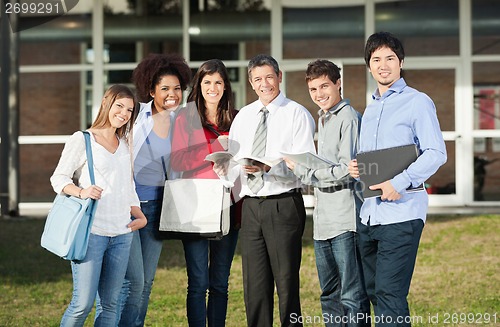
195 208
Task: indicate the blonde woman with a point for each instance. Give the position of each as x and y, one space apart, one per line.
102 271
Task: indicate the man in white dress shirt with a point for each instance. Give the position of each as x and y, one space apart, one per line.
273 214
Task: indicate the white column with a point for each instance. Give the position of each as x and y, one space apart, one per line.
98 49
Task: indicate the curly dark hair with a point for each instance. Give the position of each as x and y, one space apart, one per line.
153 67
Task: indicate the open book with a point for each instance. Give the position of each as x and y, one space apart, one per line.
309 160
219 156
242 160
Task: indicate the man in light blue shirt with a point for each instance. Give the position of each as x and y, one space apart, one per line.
392 223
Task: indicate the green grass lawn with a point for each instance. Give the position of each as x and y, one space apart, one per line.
456 280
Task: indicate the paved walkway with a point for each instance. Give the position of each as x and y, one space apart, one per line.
476 210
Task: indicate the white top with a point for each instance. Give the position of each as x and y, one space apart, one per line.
290 128
143 125
113 173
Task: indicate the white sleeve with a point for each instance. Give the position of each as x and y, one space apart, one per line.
134 198
72 158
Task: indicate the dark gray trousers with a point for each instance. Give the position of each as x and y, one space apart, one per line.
271 244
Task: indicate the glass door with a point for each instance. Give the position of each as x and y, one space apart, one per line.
486 134
438 79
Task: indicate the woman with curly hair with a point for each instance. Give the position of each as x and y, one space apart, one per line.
160 80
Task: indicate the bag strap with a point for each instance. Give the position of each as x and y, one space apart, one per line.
211 128
90 162
90 159
152 157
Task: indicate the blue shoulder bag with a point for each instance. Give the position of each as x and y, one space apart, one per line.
68 224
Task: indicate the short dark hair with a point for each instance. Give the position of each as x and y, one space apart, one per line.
381 39
322 67
263 60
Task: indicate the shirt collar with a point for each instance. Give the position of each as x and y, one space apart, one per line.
273 105
335 109
396 87
148 110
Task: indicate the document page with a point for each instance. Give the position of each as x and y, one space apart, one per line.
309 160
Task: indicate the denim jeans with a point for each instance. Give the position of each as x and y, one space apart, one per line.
208 264
144 255
389 253
343 296
100 273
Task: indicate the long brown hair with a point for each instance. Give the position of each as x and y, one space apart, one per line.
115 92
225 107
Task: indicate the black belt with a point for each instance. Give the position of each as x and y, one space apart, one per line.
277 196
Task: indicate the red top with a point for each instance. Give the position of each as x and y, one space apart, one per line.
191 143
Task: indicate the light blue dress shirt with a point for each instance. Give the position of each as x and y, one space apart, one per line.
401 116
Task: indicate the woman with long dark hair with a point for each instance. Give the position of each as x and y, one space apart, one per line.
201 128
